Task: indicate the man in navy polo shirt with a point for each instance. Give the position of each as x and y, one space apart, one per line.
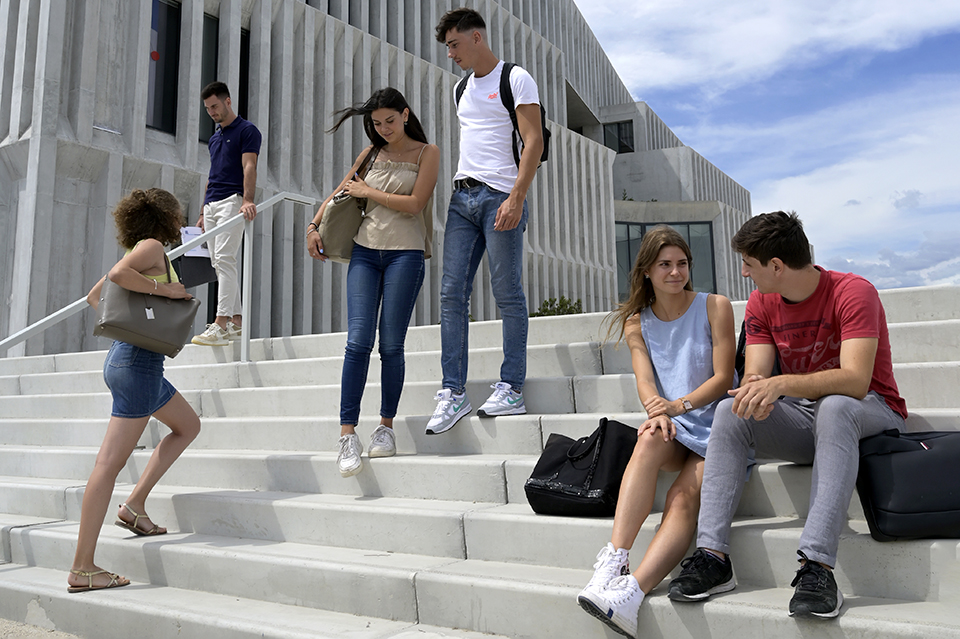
234 148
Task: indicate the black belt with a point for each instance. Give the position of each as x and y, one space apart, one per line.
466 183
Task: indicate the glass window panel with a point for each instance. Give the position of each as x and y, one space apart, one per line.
208 69
610 136
244 89
164 66
625 130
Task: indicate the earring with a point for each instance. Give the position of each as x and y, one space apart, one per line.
404 123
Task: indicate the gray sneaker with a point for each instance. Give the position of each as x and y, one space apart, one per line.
503 401
383 442
348 461
450 409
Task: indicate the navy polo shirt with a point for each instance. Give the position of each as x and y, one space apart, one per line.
227 146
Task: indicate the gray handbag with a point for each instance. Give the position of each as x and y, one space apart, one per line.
342 218
152 322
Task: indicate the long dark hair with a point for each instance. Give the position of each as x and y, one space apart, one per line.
388 98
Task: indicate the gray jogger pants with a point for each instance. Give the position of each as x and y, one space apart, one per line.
825 433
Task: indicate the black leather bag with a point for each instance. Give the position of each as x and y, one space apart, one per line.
909 485
581 478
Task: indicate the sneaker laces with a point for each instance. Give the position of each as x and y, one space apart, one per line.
608 559
810 576
696 563
348 446
620 589
381 436
501 391
443 403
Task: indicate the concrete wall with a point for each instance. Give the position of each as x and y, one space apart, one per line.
73 142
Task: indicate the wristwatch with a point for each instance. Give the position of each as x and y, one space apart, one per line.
687 406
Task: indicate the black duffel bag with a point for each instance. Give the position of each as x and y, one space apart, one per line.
581 478
909 485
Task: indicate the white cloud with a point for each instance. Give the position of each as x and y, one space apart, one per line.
721 44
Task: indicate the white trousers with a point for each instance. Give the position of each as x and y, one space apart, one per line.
223 253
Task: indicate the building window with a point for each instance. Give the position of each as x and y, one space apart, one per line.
164 65
619 136
208 69
208 72
699 237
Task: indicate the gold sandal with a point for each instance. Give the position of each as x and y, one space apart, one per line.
114 581
136 529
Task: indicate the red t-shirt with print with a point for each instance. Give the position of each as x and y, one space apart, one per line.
808 334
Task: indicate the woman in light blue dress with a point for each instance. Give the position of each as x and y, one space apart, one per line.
682 346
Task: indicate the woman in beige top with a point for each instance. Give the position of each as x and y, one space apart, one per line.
387 262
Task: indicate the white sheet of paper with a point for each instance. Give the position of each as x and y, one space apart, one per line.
187 233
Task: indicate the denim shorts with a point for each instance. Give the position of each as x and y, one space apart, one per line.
134 376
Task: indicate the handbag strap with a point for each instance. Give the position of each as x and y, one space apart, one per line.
167 260
367 161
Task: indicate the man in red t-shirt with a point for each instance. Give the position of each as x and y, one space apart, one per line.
829 333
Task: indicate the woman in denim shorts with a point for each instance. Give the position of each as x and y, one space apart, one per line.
146 221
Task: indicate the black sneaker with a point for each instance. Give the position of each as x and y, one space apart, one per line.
703 574
816 594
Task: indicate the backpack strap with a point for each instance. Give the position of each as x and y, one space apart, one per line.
506 97
462 86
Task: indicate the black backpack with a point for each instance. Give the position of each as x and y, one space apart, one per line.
506 97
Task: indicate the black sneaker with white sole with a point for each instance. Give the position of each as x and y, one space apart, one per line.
703 574
816 593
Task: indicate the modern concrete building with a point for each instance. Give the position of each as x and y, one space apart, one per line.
98 97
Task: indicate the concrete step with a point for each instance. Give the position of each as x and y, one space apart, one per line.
478 478
763 553
38 596
499 597
554 360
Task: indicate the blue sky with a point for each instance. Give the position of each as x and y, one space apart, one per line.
847 112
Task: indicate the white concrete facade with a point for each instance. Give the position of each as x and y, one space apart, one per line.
73 103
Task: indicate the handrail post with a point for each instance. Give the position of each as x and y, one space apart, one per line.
247 289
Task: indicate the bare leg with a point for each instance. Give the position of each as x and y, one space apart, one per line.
639 485
184 425
120 440
676 527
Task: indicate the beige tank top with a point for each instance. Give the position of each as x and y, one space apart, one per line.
387 229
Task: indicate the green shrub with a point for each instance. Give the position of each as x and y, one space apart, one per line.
563 306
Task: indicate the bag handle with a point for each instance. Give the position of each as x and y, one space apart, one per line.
594 441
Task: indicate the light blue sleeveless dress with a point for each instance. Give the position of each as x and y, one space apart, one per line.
681 351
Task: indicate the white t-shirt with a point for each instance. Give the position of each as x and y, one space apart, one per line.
486 140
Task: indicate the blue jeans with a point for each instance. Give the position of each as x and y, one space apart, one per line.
387 282
469 231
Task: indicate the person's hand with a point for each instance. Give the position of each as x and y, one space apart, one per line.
357 188
755 398
662 423
175 291
249 211
508 215
315 246
657 405
200 222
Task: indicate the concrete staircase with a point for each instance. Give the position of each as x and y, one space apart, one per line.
269 541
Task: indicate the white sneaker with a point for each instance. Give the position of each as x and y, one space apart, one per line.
618 605
348 461
450 408
611 563
233 331
213 336
503 401
383 442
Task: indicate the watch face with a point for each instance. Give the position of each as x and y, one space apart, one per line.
687 405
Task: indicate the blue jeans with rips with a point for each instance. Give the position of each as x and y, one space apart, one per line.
468 232
384 282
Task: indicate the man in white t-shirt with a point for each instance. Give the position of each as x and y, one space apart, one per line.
488 212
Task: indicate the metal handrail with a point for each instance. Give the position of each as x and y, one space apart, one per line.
69 311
